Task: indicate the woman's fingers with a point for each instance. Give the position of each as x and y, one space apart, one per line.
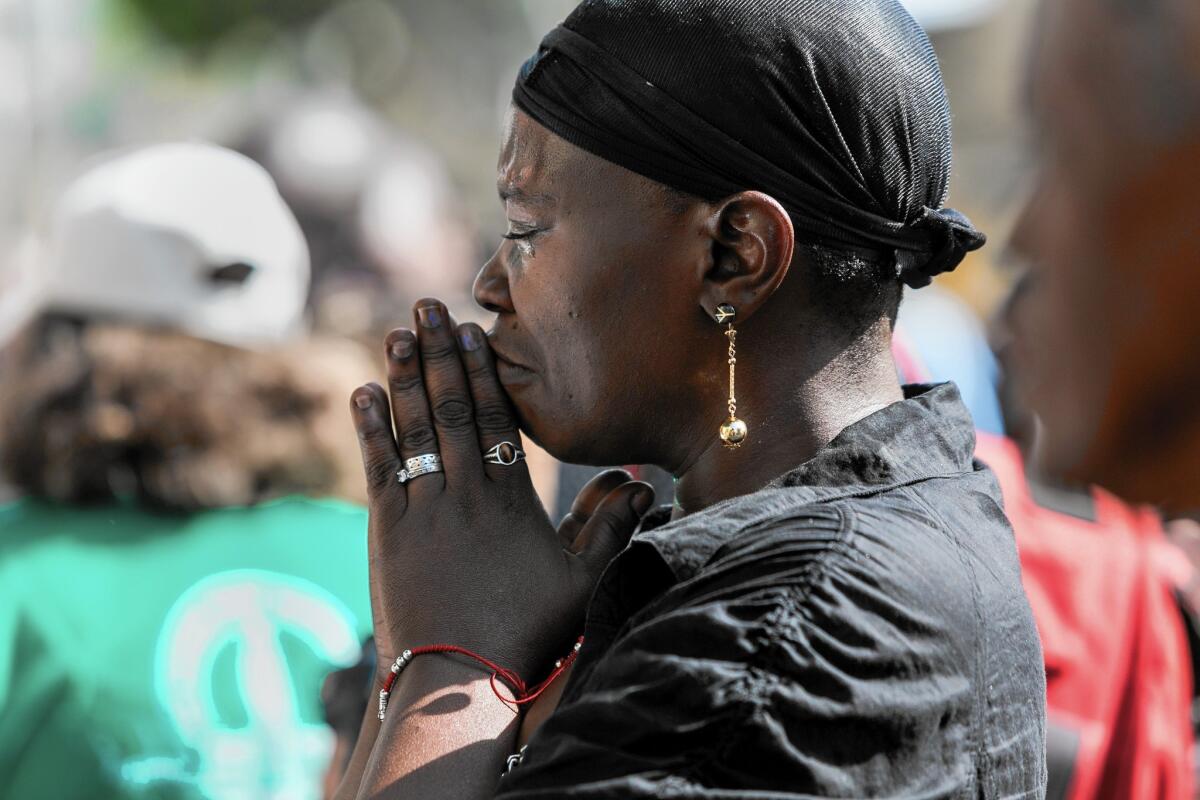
410 408
587 500
495 423
449 396
381 461
610 527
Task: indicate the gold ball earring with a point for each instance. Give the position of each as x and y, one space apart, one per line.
733 431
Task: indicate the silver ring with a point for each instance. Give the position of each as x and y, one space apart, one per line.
505 454
420 465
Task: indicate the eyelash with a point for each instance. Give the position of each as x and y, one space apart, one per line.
523 241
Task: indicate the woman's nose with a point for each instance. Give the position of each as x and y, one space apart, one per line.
491 286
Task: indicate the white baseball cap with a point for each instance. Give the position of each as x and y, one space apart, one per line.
192 236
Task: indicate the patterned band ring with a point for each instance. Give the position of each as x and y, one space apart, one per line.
420 465
505 454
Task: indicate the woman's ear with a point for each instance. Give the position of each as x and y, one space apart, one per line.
752 244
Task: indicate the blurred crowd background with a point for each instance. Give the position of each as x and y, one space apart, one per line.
378 121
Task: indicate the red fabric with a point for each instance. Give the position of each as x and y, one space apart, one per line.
1118 670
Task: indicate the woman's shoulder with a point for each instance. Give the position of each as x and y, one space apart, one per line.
820 577
780 528
830 561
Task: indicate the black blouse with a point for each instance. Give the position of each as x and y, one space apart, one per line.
855 629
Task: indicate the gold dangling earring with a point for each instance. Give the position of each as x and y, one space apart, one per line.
733 430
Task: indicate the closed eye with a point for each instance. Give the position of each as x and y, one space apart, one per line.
523 240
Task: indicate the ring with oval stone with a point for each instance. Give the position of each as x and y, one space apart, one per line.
505 454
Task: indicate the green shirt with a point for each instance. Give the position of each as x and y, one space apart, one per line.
147 655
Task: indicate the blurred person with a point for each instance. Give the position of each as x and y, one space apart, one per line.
379 211
1109 236
168 603
416 230
1102 579
833 605
1110 233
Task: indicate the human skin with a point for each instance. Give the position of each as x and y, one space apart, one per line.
1111 235
605 346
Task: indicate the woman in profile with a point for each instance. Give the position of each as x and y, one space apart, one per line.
713 207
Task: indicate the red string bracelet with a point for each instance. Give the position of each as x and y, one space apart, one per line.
522 694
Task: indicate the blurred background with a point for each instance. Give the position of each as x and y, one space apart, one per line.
216 625
378 118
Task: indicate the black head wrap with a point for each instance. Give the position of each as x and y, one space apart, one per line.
835 108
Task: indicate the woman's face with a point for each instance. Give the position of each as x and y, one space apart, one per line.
597 288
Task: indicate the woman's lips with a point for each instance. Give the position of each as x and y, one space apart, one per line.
511 374
510 371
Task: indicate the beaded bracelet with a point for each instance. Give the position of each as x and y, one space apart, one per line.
521 693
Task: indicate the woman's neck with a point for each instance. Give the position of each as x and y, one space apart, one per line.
791 417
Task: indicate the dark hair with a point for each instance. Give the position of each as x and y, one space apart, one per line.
854 290
94 411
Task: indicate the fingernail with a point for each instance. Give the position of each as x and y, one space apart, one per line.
641 500
469 337
401 349
430 316
363 401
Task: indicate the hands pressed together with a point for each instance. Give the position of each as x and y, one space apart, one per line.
467 556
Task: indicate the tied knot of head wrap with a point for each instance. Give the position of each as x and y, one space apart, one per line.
835 108
951 237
